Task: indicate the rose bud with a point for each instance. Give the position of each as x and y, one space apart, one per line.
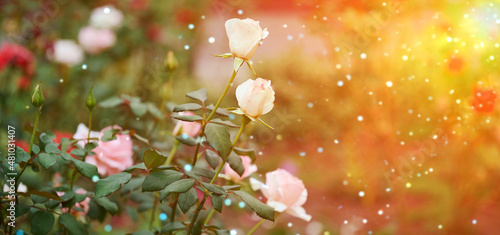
244 37
249 169
255 97
37 99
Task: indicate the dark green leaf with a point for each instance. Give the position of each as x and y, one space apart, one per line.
110 206
153 110
52 148
245 152
72 225
21 155
86 169
111 102
34 192
179 186
262 210
187 118
96 212
217 200
236 163
47 160
207 173
200 95
89 146
231 187
110 184
222 232
42 222
109 135
214 188
138 108
212 158
67 157
187 200
35 148
218 138
159 180
225 123
132 185
219 111
187 107
153 158
143 233
139 166
21 209
171 227
78 152
51 204
186 139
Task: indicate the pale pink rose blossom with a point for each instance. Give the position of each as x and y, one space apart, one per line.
189 128
249 169
284 192
244 37
255 97
82 133
106 17
111 157
95 40
66 52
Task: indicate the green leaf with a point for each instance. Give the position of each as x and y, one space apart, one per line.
262 210
52 148
110 206
47 160
200 95
111 102
236 163
186 139
217 200
78 152
171 227
225 123
245 152
218 138
106 186
67 157
21 209
212 158
231 187
159 180
34 192
207 173
89 146
72 225
214 188
109 135
35 148
86 169
179 186
187 118
21 155
143 233
187 107
42 222
138 108
153 110
138 166
219 111
153 158
132 185
187 200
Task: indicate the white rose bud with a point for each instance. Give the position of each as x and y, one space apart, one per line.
255 97
244 37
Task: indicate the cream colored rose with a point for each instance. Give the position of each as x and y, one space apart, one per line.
255 97
284 192
244 37
106 17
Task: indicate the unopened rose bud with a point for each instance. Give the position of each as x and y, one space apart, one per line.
37 99
91 102
171 62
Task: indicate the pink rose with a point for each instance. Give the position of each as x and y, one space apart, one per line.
189 128
94 40
110 157
84 205
244 37
106 17
255 97
66 52
249 169
284 192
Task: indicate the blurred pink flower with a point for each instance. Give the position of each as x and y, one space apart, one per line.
249 169
255 97
189 128
284 192
110 157
244 37
66 52
83 205
106 17
95 40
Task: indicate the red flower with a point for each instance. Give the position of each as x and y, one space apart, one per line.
18 57
484 99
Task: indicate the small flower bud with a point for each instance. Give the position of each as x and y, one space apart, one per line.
91 102
37 99
171 62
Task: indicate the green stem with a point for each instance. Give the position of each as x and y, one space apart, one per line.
73 176
172 153
209 216
256 227
37 118
90 126
174 209
195 157
153 212
244 123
